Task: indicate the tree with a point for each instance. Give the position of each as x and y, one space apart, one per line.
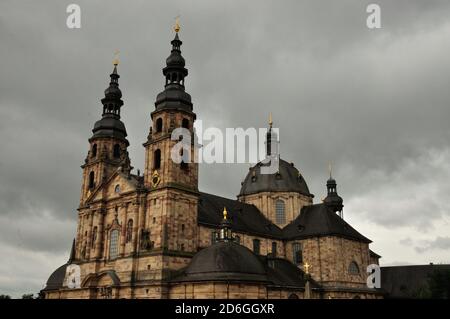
439 284
28 296
5 297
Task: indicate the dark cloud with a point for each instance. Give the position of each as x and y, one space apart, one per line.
373 102
440 243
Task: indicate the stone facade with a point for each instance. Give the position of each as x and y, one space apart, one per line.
136 233
265 202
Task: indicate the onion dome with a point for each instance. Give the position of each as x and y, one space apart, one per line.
333 200
110 124
174 95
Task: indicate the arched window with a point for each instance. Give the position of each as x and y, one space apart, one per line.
353 268
91 180
94 150
280 215
116 152
297 253
117 189
237 239
185 123
293 296
114 244
129 236
157 159
256 246
159 125
94 236
274 249
183 164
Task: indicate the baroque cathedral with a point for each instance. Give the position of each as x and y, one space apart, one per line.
156 235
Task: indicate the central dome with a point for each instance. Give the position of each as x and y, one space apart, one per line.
225 261
287 179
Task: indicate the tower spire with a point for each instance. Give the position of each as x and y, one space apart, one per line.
333 200
174 95
330 169
225 227
271 140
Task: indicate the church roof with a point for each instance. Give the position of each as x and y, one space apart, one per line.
319 220
287 179
223 261
245 217
314 220
56 279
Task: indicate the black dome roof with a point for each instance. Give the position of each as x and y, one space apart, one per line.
56 279
225 261
288 179
110 126
175 59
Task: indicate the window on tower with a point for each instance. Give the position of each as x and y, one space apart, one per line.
353 268
91 180
213 237
116 151
280 214
185 123
256 246
157 159
274 249
94 150
114 244
159 125
183 164
297 253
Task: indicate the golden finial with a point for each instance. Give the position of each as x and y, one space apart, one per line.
177 28
225 213
270 119
116 57
306 268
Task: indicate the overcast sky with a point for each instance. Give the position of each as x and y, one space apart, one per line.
374 102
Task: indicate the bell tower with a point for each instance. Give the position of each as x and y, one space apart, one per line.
333 200
172 184
108 144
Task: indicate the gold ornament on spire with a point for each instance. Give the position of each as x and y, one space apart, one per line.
306 268
116 57
225 213
270 119
177 28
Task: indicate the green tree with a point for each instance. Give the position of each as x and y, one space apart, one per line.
28 296
5 297
439 284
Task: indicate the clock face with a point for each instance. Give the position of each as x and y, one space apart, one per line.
155 179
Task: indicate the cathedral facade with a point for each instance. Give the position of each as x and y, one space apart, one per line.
156 235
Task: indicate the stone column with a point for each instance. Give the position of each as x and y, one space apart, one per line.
89 235
124 210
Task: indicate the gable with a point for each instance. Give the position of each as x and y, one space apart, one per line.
118 184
